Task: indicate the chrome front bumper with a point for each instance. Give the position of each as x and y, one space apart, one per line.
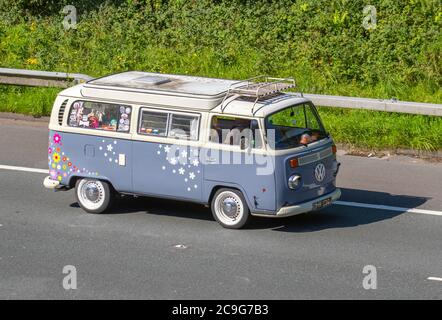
302 207
307 206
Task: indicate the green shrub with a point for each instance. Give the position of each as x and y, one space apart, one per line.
321 43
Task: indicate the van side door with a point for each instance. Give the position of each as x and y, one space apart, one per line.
166 150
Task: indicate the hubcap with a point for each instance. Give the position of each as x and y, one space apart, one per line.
229 207
92 192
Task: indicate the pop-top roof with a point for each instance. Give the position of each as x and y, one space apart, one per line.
147 81
257 96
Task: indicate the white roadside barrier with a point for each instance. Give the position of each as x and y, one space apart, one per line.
63 80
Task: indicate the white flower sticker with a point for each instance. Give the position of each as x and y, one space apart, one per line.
182 157
109 147
173 161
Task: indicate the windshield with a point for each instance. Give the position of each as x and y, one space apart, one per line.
294 126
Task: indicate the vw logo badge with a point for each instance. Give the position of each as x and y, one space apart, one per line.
320 172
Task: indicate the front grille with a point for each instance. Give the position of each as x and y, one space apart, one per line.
315 156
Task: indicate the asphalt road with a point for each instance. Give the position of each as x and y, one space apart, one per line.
132 253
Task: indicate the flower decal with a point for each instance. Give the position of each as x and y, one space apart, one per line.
56 157
53 174
57 138
184 162
61 166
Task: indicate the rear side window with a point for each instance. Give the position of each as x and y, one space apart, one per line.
169 124
100 116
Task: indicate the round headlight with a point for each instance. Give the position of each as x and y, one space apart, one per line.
294 181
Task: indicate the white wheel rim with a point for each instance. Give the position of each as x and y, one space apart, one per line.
91 194
229 208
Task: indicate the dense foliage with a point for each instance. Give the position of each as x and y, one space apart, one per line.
322 43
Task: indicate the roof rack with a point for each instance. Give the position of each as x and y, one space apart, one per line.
258 87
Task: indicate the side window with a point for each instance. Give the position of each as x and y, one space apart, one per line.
172 125
100 116
153 123
184 126
235 131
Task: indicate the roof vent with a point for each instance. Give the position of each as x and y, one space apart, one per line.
152 80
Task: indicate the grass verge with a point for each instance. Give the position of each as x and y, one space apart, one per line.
26 100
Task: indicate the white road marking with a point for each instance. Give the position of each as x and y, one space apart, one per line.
341 203
13 168
390 208
434 278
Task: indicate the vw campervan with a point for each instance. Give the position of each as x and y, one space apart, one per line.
242 147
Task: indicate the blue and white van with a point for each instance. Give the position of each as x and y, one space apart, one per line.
243 147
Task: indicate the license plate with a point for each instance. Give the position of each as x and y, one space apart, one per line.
322 203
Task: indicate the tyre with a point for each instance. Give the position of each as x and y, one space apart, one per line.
230 209
94 196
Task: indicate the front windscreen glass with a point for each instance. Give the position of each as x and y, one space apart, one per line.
294 126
